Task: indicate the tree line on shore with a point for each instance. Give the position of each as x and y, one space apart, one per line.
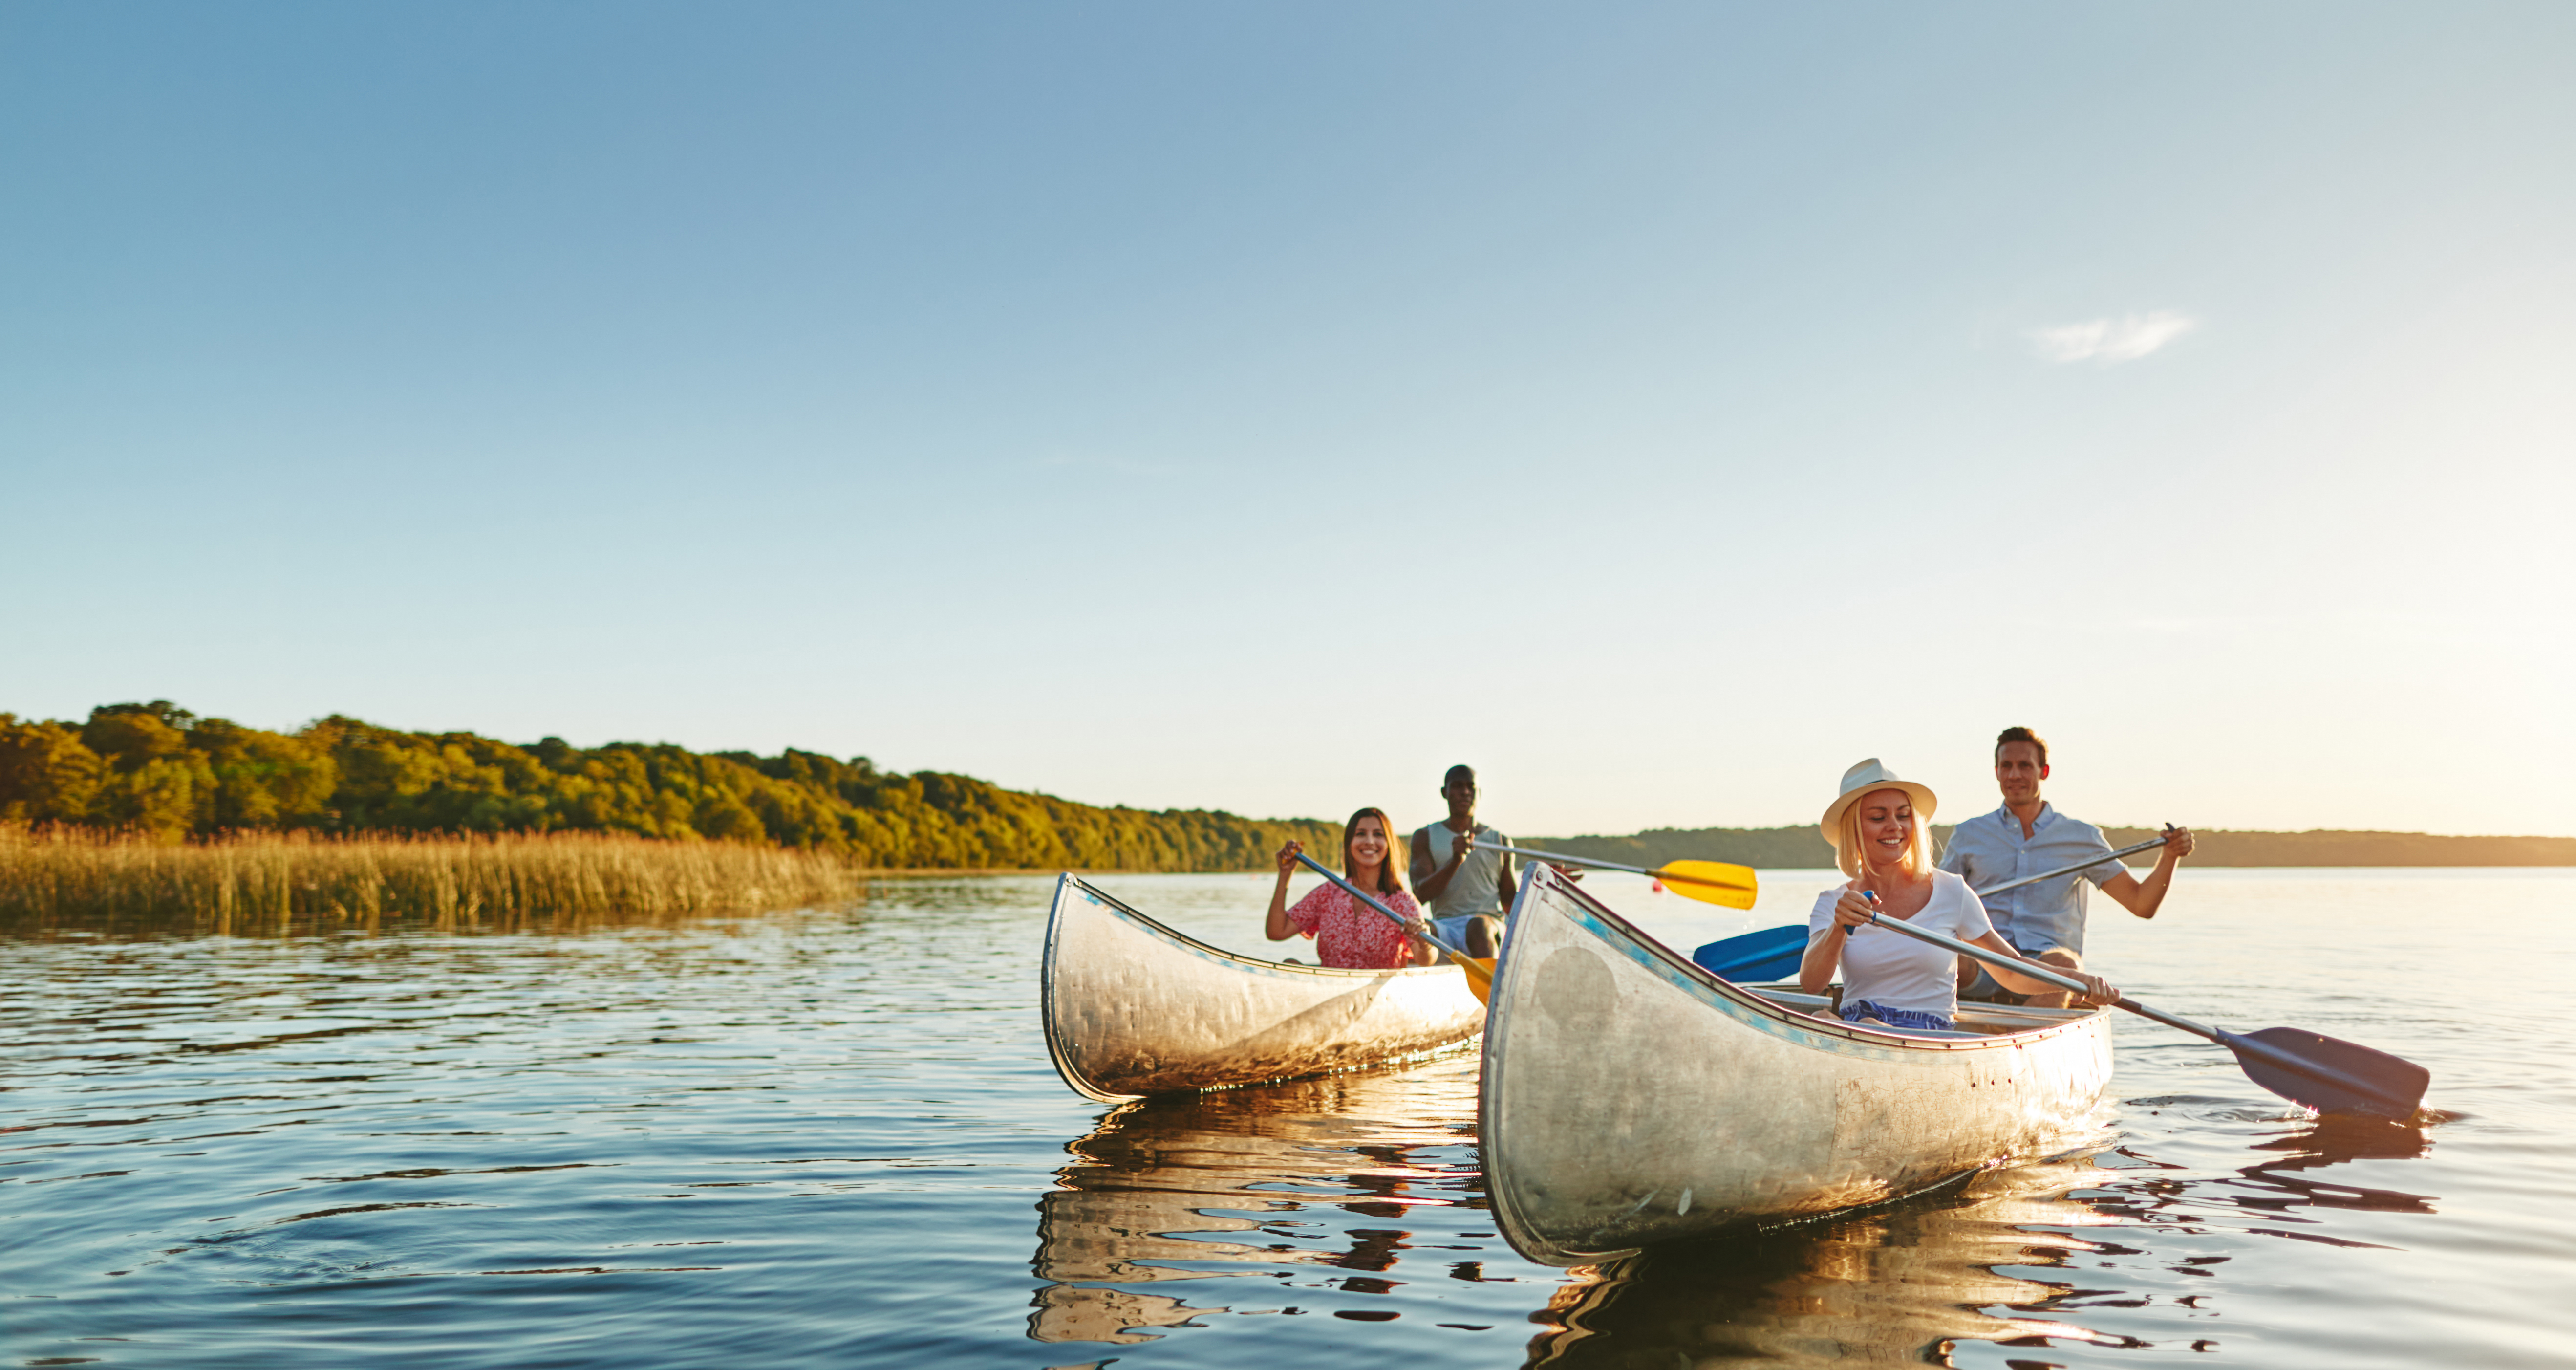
157 768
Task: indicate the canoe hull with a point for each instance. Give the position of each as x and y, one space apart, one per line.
1631 1098
1133 1008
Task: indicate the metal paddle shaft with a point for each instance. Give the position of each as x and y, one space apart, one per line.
1663 872
2080 865
2325 1073
1371 900
1568 860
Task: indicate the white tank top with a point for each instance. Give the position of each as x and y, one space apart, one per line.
1477 886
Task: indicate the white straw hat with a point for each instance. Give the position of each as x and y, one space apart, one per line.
1862 779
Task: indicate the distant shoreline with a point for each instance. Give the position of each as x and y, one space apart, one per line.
1802 848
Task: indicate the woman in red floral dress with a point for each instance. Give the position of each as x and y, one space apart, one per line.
1347 932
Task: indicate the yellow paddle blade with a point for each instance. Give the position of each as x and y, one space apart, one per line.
1711 882
1480 975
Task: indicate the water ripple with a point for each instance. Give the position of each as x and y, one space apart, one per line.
832 1137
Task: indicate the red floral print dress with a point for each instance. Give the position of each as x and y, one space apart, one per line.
1349 933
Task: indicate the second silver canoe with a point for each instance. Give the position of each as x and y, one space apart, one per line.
1133 1008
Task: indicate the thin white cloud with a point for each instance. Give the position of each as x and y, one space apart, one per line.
2108 341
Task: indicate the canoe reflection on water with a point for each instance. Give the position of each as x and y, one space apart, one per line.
1897 1285
1886 1286
1365 1184
1201 1163
1338 1172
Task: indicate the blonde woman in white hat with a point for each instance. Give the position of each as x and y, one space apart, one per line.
1880 828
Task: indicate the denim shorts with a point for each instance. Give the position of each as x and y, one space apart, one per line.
1915 1019
1453 930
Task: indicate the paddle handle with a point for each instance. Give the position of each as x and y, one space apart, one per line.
2083 865
2038 972
1365 897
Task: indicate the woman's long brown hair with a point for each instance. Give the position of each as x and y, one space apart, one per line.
1390 877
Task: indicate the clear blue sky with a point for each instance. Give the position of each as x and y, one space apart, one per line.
1264 406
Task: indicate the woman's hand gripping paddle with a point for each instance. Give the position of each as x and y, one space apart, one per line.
1480 972
1711 882
2325 1073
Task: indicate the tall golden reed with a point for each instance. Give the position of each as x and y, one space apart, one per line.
274 884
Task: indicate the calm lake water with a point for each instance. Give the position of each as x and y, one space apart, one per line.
833 1138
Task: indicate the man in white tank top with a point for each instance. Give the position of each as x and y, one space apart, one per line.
1464 887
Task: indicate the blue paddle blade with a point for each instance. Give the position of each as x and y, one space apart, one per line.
1755 957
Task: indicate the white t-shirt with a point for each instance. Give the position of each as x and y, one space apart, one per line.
1896 971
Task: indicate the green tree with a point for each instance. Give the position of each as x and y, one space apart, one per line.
264 779
153 780
46 773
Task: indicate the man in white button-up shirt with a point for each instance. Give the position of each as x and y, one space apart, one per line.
2025 837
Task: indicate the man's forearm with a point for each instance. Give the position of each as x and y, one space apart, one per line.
2151 895
1430 886
2143 897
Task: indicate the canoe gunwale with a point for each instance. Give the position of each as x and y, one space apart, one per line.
1070 884
1218 953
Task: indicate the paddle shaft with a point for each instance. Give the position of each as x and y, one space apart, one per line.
1365 897
1655 871
1569 860
2078 866
2236 1042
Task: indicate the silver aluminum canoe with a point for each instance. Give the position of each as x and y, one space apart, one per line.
1630 1097
1133 1008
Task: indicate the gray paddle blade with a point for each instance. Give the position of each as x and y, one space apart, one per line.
2329 1074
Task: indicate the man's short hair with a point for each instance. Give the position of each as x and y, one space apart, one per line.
2020 735
1451 777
